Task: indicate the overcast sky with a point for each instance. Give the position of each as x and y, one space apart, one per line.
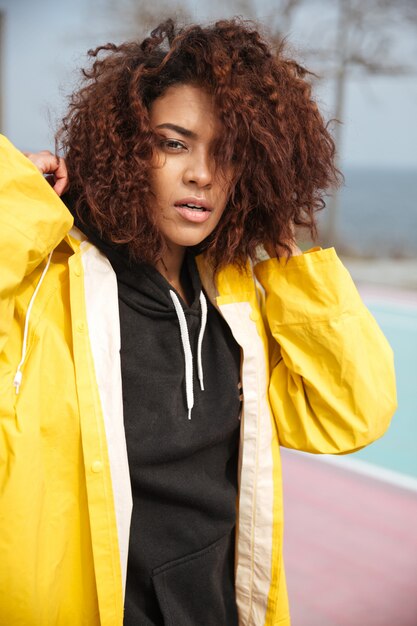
44 41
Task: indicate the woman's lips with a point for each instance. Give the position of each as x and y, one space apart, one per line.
193 215
192 209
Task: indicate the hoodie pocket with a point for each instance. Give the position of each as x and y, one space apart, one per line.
198 589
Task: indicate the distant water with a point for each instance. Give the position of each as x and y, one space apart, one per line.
378 212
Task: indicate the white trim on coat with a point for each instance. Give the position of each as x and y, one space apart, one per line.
101 297
256 488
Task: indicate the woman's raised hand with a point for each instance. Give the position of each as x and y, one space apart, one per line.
53 167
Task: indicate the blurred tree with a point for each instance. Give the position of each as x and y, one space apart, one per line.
358 38
281 14
134 19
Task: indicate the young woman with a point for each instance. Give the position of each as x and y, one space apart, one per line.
158 353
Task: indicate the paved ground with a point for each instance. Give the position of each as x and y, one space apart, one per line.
350 547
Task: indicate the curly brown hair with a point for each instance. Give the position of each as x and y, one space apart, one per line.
282 151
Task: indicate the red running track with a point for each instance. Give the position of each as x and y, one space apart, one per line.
350 547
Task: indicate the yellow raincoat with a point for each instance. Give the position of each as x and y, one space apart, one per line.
317 376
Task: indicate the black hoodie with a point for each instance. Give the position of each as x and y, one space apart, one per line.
183 464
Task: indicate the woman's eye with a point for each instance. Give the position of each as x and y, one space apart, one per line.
173 145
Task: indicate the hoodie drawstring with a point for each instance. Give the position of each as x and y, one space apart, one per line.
17 381
188 355
203 304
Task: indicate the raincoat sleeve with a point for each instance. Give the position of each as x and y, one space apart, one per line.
33 220
332 382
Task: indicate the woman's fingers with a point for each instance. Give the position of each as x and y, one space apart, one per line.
61 177
48 163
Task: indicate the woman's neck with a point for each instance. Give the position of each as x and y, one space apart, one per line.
170 268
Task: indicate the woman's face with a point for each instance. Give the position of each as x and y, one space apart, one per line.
190 195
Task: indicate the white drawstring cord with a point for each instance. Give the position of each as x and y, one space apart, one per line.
17 381
203 303
188 355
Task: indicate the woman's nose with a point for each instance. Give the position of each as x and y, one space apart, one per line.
198 171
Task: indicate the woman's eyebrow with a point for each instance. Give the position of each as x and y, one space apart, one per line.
179 129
